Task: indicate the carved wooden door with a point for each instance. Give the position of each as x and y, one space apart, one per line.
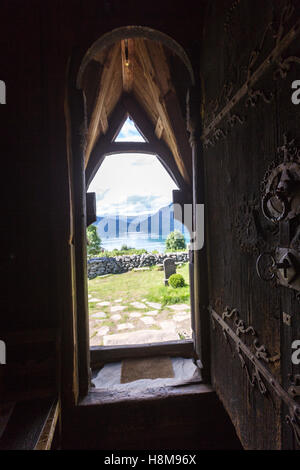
249 64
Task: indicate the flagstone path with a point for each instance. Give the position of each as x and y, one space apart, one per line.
117 323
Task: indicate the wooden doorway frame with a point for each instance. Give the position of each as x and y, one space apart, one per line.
79 359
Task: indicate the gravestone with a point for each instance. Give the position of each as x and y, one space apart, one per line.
169 269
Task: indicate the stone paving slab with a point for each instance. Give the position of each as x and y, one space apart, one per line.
138 305
116 317
148 320
99 315
117 308
103 331
125 326
178 317
140 337
179 307
135 314
168 325
151 313
105 303
154 305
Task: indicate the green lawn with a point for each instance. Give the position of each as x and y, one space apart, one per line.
138 285
118 291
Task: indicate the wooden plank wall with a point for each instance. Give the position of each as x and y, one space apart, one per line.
235 166
36 228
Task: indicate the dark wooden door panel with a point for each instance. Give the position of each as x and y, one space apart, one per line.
240 145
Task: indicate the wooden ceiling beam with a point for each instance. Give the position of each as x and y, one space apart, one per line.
159 128
104 89
127 54
105 145
151 79
147 129
179 127
103 120
129 147
170 99
97 156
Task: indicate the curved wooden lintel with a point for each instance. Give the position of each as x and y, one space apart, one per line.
106 145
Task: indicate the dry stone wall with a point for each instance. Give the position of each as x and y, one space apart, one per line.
121 264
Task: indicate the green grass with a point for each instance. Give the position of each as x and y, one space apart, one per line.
135 286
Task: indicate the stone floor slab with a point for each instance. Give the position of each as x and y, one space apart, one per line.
179 307
140 337
178 317
138 305
148 320
117 308
99 315
135 314
125 326
116 317
103 331
168 325
154 305
105 303
151 313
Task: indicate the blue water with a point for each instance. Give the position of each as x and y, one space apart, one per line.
136 240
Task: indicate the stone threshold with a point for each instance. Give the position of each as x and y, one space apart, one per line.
101 355
99 397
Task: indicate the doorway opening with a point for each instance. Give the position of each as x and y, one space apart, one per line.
130 299
138 76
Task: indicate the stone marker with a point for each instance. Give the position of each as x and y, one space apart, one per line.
169 269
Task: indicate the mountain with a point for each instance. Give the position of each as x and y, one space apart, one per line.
159 224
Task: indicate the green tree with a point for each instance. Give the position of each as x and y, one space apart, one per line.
175 241
93 241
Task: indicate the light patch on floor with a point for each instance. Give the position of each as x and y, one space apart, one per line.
109 377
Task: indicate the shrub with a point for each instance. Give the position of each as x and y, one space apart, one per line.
125 248
93 241
175 241
176 280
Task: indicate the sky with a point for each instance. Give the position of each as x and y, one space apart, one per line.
130 184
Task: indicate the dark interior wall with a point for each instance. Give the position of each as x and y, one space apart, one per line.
236 160
36 40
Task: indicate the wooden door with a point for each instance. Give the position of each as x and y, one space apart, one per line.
250 58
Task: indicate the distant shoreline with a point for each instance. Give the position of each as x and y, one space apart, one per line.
138 241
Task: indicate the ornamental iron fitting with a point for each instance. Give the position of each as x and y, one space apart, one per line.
252 358
280 203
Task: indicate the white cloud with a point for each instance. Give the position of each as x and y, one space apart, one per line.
129 133
131 184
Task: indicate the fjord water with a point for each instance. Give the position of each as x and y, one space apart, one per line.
137 240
